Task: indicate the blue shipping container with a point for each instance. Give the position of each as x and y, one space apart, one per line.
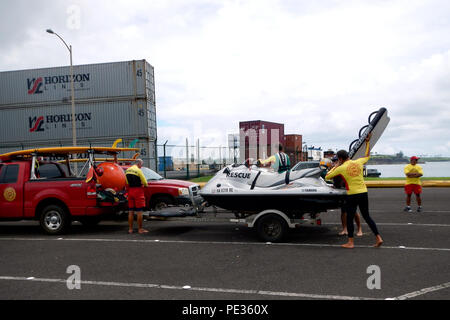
168 161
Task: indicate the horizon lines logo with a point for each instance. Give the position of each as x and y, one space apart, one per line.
36 123
37 85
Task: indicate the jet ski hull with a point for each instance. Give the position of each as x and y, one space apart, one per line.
289 203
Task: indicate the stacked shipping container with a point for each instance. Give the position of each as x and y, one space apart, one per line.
293 147
259 139
112 100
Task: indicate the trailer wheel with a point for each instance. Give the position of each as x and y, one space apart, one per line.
54 219
271 228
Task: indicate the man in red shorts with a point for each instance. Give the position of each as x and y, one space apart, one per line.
413 173
136 198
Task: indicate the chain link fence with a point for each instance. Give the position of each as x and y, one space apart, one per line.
193 160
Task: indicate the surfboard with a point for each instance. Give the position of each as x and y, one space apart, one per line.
100 160
63 151
378 121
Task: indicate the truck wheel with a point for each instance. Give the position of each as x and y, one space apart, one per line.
161 203
271 228
54 219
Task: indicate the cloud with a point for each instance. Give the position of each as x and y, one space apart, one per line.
318 67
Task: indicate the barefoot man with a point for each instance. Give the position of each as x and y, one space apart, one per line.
352 173
339 183
136 198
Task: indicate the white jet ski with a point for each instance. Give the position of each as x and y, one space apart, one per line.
250 189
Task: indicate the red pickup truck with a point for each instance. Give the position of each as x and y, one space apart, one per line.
50 195
162 193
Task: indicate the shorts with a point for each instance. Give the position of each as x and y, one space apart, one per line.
136 199
410 188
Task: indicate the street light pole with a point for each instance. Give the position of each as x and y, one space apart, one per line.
72 90
74 129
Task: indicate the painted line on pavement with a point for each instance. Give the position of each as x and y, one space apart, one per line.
150 241
188 288
421 292
402 212
400 224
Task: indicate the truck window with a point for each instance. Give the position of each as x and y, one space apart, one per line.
9 173
50 171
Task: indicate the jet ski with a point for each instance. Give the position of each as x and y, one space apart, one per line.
248 189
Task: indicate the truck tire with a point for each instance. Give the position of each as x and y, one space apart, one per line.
54 219
161 202
271 228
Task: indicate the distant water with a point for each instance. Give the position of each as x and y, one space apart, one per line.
430 169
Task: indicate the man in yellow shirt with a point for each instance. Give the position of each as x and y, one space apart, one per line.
413 173
351 172
338 183
136 197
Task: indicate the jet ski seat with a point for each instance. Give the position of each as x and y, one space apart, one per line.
266 179
269 179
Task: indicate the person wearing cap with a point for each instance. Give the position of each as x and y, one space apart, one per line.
340 184
413 173
351 172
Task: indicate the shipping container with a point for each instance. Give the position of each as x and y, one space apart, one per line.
292 142
103 81
93 120
165 163
259 139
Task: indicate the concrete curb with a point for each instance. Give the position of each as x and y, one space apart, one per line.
391 184
401 183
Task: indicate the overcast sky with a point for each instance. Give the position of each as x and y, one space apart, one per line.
319 67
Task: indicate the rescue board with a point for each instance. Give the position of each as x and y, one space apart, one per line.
378 122
100 160
105 159
63 151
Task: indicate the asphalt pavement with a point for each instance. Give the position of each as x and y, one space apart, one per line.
198 260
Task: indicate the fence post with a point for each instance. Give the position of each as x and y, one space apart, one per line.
198 157
164 165
220 157
187 160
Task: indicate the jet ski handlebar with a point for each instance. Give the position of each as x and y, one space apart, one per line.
248 163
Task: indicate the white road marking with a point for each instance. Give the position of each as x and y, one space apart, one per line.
422 291
398 224
188 288
222 290
150 241
421 213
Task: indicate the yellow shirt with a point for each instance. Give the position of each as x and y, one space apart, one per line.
134 170
413 169
271 159
352 173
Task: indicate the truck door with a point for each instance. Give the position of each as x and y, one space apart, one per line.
11 190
